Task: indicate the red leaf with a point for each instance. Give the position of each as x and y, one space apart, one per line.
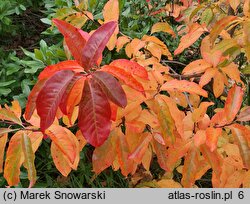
233 102
65 65
96 44
50 96
94 114
111 88
124 76
131 67
73 39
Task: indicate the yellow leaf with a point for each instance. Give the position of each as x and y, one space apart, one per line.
29 158
164 27
168 183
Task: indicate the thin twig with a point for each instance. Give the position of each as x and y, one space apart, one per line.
185 93
174 62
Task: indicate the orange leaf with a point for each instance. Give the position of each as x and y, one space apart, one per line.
233 102
60 160
111 11
10 116
141 148
65 65
197 66
121 41
14 159
183 86
176 152
212 135
190 167
124 76
241 136
199 113
234 4
168 183
122 148
220 26
161 153
218 84
207 76
213 158
164 27
244 114
64 140
232 72
199 138
133 47
131 67
104 155
82 141
3 140
195 31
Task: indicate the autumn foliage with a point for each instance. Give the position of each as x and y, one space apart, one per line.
134 109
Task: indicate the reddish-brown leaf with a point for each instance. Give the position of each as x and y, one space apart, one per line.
131 67
233 102
64 101
65 65
124 76
31 104
111 88
73 39
50 96
183 86
96 44
94 114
